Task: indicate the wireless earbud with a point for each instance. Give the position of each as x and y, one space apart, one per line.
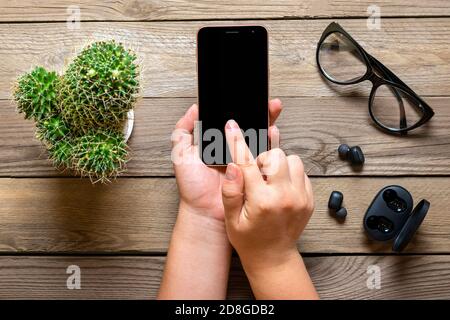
353 154
335 204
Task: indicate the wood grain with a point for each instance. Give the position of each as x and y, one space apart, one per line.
312 128
415 49
341 277
137 215
56 10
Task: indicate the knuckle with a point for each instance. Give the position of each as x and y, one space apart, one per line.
264 206
271 160
262 158
263 155
297 161
307 206
311 207
301 166
276 152
292 202
230 192
288 202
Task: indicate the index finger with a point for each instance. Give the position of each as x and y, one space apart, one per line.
275 107
241 154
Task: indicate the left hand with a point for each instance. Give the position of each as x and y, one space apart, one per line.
200 186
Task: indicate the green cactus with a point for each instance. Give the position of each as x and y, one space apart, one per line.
100 86
51 130
101 155
36 94
80 116
61 153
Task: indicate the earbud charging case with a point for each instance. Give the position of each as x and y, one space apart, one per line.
391 216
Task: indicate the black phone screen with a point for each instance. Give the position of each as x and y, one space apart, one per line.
232 84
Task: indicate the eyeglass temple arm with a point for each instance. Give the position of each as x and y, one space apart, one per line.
392 77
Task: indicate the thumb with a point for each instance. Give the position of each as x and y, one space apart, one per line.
233 193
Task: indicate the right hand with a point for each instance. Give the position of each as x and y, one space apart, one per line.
264 217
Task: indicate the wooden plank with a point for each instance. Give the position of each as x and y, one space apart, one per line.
56 10
340 277
137 215
416 49
310 127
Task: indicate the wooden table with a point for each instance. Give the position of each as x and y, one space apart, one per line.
118 234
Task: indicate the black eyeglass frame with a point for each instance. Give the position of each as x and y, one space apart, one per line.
389 78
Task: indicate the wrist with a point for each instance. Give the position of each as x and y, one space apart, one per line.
198 227
212 212
271 261
198 259
285 278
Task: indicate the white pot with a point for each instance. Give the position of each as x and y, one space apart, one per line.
128 127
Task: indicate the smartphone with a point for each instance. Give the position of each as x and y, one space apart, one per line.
233 83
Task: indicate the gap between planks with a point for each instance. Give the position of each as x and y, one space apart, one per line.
138 215
345 277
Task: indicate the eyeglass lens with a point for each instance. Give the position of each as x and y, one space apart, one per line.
395 108
340 59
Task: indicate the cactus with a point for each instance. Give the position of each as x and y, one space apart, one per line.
80 115
99 87
101 155
51 130
36 94
61 153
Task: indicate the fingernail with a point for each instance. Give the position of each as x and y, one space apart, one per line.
231 172
231 125
189 111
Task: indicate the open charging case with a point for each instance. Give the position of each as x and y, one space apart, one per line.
391 216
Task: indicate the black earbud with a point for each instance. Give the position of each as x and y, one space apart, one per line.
353 154
335 204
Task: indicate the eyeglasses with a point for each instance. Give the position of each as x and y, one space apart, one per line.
393 105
